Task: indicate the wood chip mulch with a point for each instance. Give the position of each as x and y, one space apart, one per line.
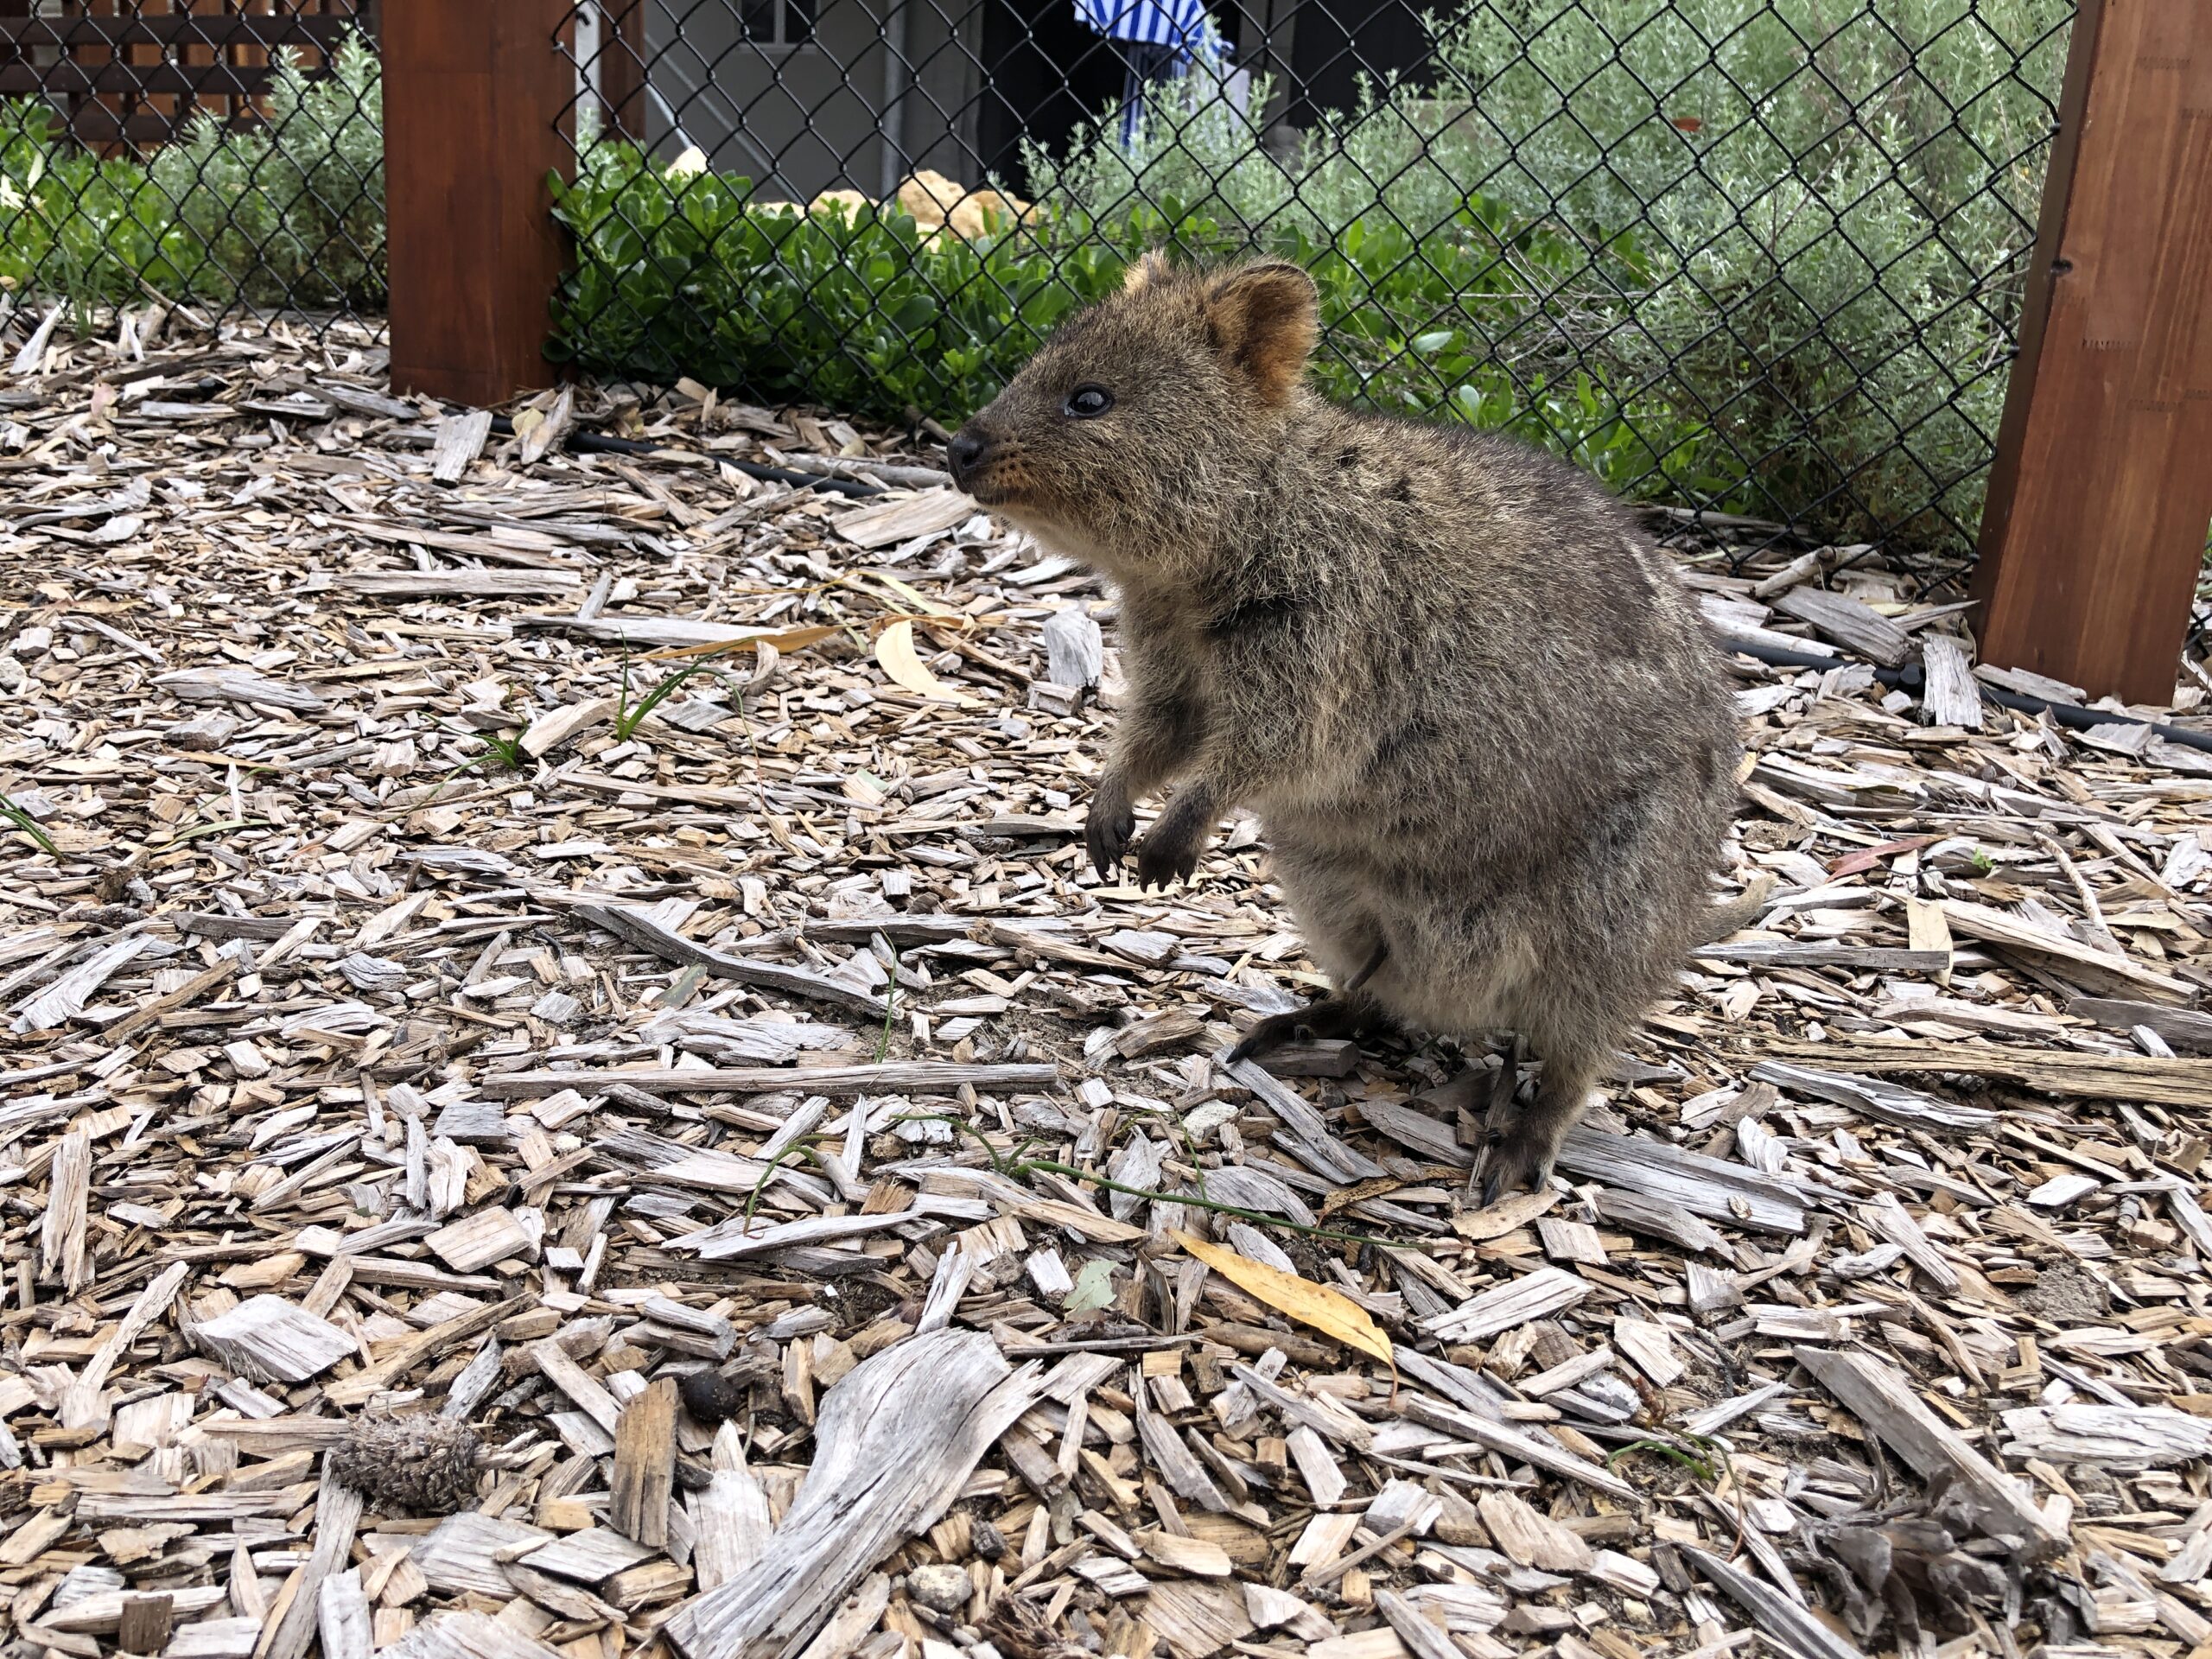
515 1142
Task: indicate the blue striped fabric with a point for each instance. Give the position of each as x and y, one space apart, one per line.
1182 24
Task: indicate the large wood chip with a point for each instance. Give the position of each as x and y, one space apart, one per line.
897 1438
1880 1395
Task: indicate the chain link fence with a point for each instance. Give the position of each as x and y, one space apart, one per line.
1751 257
1755 260
227 153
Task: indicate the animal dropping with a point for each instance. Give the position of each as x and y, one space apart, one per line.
1476 714
426 1465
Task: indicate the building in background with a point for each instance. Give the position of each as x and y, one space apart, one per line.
810 95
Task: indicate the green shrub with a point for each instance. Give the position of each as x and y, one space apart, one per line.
289 212
67 225
686 274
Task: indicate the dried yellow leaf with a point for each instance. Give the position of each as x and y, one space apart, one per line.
1330 1311
894 650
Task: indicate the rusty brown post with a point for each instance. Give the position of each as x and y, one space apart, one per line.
475 96
2102 487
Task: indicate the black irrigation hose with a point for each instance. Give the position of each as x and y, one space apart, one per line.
1910 678
597 443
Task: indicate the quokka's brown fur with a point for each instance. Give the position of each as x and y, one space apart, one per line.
1479 719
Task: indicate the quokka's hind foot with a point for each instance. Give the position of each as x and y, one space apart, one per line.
1333 1015
1519 1160
1522 1155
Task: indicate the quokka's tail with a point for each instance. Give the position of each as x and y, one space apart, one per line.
1739 912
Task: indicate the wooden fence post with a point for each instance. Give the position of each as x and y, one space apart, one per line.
2102 487
476 94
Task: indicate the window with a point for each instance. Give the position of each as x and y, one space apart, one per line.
776 23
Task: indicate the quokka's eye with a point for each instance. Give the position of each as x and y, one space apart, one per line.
1086 403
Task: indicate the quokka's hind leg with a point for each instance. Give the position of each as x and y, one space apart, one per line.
1349 1011
1605 947
1333 1015
1524 1154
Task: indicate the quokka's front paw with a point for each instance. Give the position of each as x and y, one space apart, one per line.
1170 853
1108 826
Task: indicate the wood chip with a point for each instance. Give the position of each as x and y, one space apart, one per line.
644 1465
899 1436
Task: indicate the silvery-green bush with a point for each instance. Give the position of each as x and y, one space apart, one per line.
289 211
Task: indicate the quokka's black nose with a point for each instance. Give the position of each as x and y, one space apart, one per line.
964 452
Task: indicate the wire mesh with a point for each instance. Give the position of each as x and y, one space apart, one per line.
1752 258
227 153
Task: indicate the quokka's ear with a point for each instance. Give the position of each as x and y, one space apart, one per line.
1264 319
1150 268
